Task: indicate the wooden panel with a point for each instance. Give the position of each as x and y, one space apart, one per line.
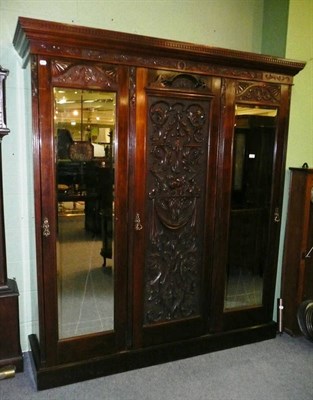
297 276
10 350
86 76
175 198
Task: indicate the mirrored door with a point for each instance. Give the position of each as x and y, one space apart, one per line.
252 180
84 135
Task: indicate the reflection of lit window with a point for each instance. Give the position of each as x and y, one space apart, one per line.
254 110
62 101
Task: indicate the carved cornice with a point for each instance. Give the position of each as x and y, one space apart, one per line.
45 37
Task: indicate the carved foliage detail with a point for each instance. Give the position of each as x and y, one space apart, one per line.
176 182
34 77
179 81
83 74
258 92
132 86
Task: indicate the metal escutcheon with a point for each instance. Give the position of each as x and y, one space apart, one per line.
276 215
45 227
138 225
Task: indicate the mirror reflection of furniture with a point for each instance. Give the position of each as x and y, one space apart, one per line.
10 350
64 141
85 184
86 178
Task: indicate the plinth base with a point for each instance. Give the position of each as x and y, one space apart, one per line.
10 349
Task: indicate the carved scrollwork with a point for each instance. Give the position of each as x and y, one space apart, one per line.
132 86
180 81
277 78
223 96
84 74
175 212
172 281
34 77
258 92
176 181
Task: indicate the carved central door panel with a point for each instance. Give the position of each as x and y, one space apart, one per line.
174 204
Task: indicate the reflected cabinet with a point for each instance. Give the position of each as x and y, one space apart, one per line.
159 170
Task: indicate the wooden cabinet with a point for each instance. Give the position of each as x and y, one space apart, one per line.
297 275
171 288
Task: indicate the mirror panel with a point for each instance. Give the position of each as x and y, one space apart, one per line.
84 126
253 156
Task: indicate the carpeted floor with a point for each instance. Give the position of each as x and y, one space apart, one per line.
85 289
277 369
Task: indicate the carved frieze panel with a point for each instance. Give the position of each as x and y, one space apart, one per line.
187 66
277 78
162 62
177 146
259 92
180 81
83 74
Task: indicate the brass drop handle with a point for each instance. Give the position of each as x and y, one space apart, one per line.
138 225
45 227
276 215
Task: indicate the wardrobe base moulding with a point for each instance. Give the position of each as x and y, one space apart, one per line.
59 375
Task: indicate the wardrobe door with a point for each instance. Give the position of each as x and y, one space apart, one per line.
254 136
174 204
81 196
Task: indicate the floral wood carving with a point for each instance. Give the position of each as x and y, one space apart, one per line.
83 74
277 78
177 148
257 92
132 86
34 77
180 81
162 62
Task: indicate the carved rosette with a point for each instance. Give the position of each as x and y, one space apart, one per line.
177 148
